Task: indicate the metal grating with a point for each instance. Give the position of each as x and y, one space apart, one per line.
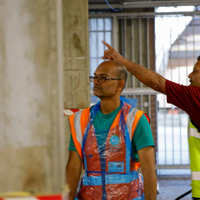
174 58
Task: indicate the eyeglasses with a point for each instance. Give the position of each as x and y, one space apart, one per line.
101 79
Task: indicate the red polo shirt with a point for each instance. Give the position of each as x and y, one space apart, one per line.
185 97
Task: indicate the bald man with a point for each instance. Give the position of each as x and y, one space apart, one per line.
111 140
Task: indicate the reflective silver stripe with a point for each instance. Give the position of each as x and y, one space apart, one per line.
193 132
196 176
130 119
77 127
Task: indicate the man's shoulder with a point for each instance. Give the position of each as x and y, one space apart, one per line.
171 83
129 109
171 87
79 112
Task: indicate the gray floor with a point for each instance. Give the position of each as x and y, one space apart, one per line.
171 188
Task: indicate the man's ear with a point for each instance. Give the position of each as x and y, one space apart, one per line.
121 84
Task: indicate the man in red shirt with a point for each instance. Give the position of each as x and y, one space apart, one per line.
185 97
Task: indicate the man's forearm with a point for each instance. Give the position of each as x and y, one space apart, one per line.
72 179
146 76
147 163
73 172
150 186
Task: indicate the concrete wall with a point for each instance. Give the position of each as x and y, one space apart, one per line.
32 93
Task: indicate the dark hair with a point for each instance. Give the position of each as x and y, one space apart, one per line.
198 58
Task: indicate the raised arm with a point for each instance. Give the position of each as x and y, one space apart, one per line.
146 76
73 172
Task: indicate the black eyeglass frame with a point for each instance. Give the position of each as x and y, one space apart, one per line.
101 79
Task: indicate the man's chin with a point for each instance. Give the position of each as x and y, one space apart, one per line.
97 94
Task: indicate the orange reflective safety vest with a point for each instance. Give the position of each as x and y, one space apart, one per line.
110 173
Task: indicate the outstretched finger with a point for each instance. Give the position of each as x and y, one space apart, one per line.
106 44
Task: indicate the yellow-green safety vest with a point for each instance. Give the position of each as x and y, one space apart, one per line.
194 149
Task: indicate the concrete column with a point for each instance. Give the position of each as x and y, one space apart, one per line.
76 54
31 96
76 57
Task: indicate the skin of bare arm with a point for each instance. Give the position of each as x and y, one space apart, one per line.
73 172
147 163
146 76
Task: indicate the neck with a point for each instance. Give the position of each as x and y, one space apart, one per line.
109 105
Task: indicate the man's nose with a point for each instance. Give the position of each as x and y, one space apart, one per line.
190 75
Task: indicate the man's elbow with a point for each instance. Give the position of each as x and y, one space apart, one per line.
159 86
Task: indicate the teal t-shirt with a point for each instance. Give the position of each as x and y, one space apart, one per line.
102 122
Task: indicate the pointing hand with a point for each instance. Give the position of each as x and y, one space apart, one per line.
111 53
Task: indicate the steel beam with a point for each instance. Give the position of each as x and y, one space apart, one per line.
146 4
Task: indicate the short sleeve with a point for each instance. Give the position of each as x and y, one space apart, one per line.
71 144
143 135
